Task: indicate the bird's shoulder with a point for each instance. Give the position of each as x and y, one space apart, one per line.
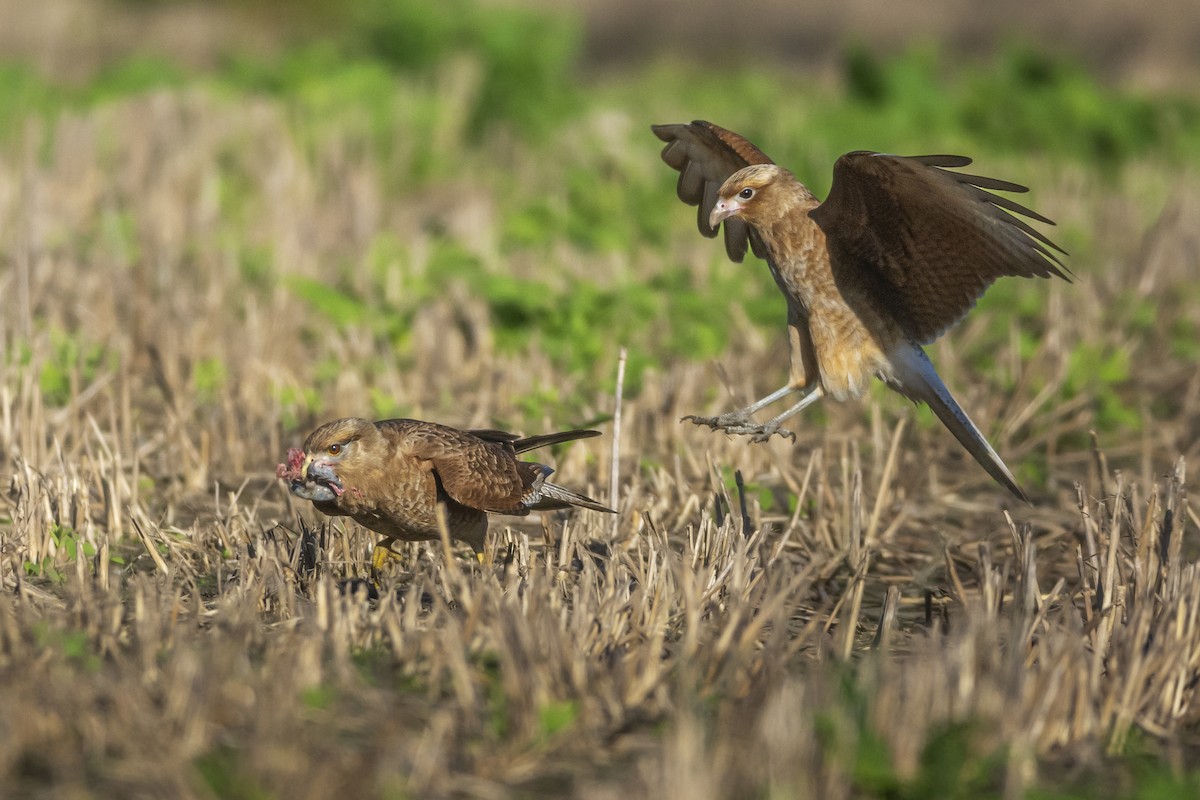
447 445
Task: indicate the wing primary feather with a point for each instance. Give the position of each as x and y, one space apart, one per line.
491 435
674 154
667 134
757 246
1013 206
984 182
711 193
736 235
690 187
1040 241
915 378
546 439
1025 212
932 161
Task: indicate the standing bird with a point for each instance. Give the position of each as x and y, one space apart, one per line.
391 476
897 254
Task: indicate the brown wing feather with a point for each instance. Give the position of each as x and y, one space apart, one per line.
935 239
479 468
521 444
493 435
546 439
474 471
705 155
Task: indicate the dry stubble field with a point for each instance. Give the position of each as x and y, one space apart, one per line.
868 615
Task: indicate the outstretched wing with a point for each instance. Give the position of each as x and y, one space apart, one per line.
934 239
705 155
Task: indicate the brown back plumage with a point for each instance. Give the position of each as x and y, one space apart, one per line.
479 468
391 476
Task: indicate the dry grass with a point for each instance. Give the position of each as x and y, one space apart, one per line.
700 647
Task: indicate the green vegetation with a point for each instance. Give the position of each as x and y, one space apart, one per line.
599 207
1026 101
391 79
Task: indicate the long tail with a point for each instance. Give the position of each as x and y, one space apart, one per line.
555 496
541 495
546 439
915 378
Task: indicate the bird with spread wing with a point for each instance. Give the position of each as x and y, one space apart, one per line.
392 476
897 254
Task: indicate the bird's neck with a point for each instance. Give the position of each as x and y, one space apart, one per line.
784 213
791 236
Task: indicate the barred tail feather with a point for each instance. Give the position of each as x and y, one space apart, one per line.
554 496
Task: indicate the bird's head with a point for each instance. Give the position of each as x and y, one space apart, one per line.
752 194
330 457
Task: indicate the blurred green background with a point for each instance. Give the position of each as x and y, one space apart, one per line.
545 113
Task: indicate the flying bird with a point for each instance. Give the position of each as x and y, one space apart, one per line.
391 477
897 254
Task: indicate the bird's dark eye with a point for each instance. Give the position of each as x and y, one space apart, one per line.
746 193
334 449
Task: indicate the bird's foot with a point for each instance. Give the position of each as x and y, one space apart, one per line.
739 423
380 555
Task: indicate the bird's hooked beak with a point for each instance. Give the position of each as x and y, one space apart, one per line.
309 478
321 473
724 209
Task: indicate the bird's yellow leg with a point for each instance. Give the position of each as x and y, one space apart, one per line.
380 555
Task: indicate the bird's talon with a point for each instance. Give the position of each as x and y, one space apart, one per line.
730 423
767 431
737 424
